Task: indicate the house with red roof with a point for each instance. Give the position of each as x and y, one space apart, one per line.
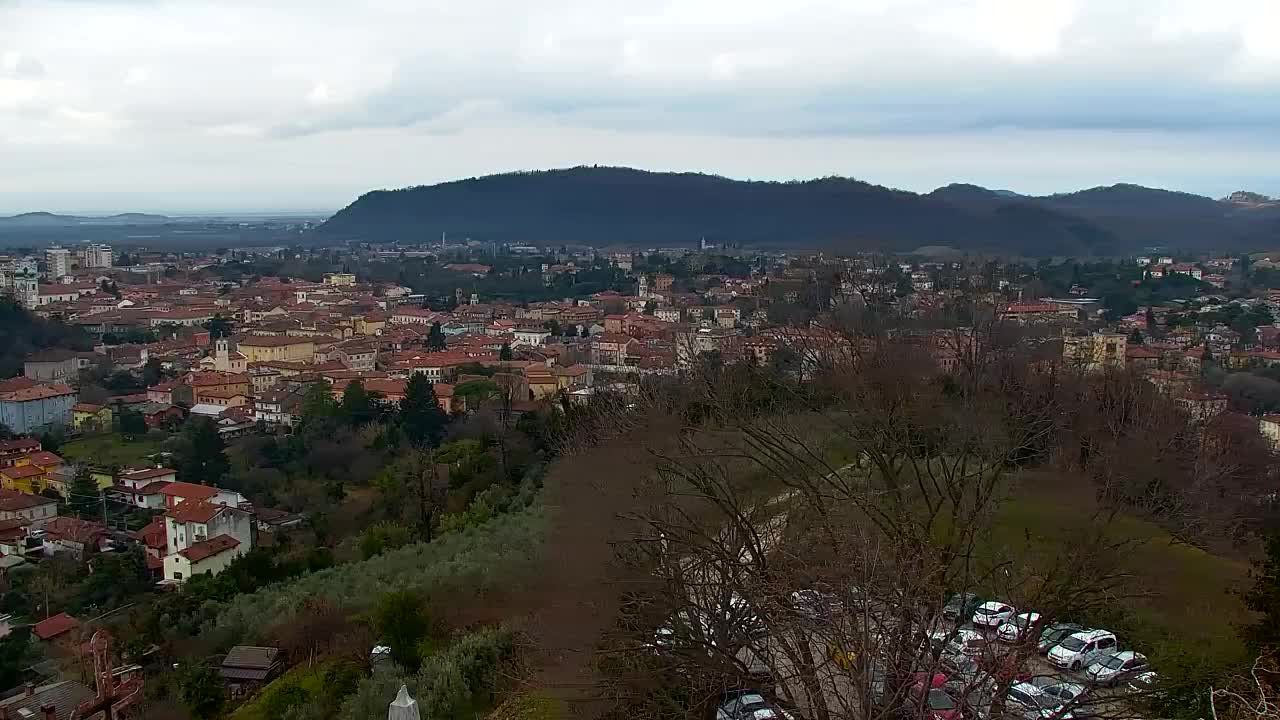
34 510
203 537
55 629
74 536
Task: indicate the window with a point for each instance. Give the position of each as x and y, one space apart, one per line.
177 575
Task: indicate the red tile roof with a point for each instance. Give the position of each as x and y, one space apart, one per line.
23 471
44 458
19 445
189 491
194 511
74 529
12 500
39 392
53 627
209 548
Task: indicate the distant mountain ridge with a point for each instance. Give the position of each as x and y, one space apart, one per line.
611 205
47 219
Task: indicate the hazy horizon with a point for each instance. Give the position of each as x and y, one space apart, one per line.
89 210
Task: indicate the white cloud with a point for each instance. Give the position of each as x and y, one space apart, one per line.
761 79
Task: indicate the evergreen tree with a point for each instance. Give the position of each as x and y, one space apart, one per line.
201 453
1264 597
403 627
357 407
218 327
82 493
505 353
203 693
420 415
152 373
1135 337
435 339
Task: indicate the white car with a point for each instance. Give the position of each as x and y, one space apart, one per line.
992 614
1113 668
969 643
1077 651
1015 629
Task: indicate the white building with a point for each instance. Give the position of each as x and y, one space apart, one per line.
204 538
59 262
96 256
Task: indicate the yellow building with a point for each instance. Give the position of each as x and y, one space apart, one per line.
339 279
23 478
87 417
265 348
1094 352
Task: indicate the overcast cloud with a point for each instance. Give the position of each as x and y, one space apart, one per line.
288 104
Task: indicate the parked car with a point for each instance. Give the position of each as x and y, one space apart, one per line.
938 702
1117 667
1065 691
816 604
749 705
1069 692
1017 627
1056 633
1078 650
966 642
1145 682
992 614
962 669
1032 703
961 605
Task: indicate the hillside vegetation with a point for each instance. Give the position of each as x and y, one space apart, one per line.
604 205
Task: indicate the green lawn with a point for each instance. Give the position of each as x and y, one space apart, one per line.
290 689
109 449
1179 599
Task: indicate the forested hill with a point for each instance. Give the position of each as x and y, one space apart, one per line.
604 205
22 333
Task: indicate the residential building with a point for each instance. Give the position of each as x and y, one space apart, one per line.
12 452
1269 426
59 698
59 262
35 510
246 667
27 410
204 537
143 487
54 365
88 417
1096 351
74 536
262 348
96 256
177 493
340 279
24 478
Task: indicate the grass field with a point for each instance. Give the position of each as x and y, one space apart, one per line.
1178 599
109 449
302 682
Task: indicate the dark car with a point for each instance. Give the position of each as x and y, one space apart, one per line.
961 605
1055 634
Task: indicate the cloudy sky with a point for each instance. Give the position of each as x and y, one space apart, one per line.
197 105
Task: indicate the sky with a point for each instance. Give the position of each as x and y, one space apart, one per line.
232 105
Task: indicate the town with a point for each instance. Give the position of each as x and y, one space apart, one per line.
263 414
